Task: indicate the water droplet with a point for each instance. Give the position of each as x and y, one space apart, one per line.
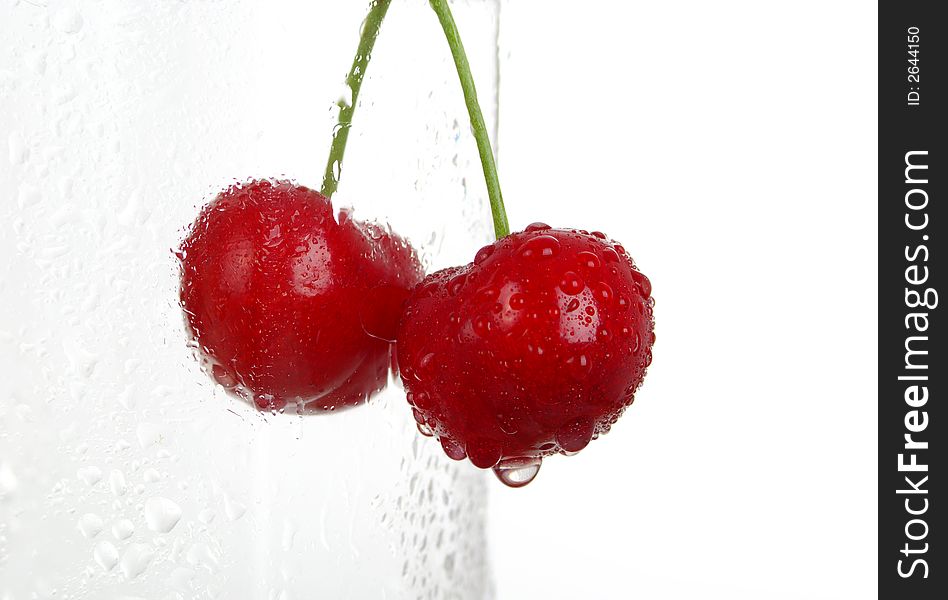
573 305
161 514
123 529
484 454
575 436
428 290
135 560
233 509
117 483
344 100
483 254
610 255
642 282
453 449
590 310
482 326
571 283
599 235
518 301
623 303
456 284
517 472
105 555
90 525
533 349
424 430
619 249
90 475
603 293
579 366
223 377
421 400
151 476
425 363
588 260
541 246
537 227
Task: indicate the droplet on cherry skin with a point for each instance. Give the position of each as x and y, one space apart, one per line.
604 293
644 285
453 449
421 400
571 283
541 246
484 454
589 260
483 254
425 365
418 415
575 436
222 377
456 285
578 366
517 472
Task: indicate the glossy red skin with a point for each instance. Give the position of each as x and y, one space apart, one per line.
534 348
281 299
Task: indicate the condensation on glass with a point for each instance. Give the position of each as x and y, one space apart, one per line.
124 472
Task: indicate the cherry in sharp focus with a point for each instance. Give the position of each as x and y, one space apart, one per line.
534 348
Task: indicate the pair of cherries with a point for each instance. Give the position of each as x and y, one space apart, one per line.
534 348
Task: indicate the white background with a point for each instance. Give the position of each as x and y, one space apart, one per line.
731 147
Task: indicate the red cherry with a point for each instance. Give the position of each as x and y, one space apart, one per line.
287 305
535 348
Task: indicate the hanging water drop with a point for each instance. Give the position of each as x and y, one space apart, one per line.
517 472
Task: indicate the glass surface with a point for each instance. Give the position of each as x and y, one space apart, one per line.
124 472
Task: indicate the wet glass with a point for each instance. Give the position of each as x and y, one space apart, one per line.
124 471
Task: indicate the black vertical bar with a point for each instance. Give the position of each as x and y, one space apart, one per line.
912 365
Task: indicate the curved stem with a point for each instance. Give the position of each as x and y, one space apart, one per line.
499 214
370 31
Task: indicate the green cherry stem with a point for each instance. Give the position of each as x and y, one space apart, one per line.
499 214
370 31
